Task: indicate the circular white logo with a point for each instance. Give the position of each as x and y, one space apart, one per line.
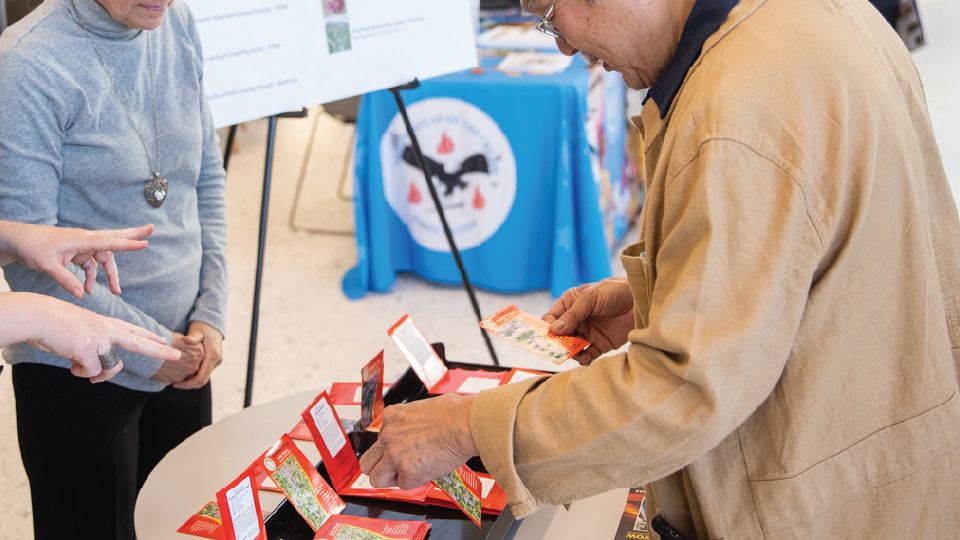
269 464
470 162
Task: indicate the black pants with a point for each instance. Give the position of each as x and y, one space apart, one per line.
88 448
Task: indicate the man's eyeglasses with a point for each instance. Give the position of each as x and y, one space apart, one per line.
546 23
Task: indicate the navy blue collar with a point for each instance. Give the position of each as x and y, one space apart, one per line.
705 18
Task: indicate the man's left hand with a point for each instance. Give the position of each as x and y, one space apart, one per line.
212 341
421 441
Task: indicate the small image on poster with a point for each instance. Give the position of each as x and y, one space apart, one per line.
633 521
338 25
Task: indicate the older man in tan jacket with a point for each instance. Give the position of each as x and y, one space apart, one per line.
791 307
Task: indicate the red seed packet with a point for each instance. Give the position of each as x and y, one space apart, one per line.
492 497
424 361
467 382
313 498
371 398
517 375
206 523
340 527
239 506
339 457
464 487
300 432
269 485
345 393
533 334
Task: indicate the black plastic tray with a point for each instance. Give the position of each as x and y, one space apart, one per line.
284 523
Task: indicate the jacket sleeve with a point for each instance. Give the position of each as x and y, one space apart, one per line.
35 110
737 252
211 306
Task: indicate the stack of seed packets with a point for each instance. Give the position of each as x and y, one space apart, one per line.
533 334
353 527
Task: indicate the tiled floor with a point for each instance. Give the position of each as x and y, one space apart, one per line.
311 334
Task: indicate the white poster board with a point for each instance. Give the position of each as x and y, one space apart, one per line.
264 57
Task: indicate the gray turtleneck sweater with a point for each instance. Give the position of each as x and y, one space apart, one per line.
70 157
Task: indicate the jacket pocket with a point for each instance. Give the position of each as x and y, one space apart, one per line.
634 260
886 456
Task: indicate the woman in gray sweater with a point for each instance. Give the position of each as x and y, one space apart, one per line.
104 125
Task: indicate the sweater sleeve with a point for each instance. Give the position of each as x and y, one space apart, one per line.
211 306
35 113
732 274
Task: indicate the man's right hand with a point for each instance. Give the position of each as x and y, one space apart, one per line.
601 313
190 359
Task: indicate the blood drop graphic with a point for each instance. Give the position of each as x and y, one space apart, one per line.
446 145
414 195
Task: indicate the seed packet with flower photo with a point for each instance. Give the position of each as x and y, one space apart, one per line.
239 506
309 493
371 397
533 334
492 497
363 528
463 486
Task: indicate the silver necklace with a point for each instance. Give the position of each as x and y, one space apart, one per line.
155 190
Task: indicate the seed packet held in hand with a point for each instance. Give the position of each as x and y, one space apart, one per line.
239 506
371 397
463 486
313 498
533 334
362 528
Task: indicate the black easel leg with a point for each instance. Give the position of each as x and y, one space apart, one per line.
231 135
443 218
264 205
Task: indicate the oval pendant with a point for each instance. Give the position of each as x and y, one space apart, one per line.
155 192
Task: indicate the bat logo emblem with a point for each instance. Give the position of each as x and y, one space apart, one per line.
475 163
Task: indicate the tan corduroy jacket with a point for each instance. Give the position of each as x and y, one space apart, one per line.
797 280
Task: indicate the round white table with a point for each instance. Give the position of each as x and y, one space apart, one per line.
192 473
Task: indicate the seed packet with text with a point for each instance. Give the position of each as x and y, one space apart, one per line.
340 459
492 497
517 375
345 393
362 528
239 506
309 493
371 398
533 334
466 382
206 523
424 361
464 487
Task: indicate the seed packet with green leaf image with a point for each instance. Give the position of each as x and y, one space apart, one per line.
463 486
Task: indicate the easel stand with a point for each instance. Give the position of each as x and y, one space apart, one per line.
443 218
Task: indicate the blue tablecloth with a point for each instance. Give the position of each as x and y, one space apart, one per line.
521 166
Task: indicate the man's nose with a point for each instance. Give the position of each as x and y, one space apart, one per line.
565 47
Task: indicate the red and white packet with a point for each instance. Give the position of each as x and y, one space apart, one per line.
532 334
463 488
356 527
303 486
518 374
341 460
239 505
492 497
207 523
371 396
428 366
345 393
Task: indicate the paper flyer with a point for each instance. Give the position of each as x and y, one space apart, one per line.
363 528
371 397
517 375
425 361
239 506
292 472
341 460
533 334
467 382
464 487
633 521
206 523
